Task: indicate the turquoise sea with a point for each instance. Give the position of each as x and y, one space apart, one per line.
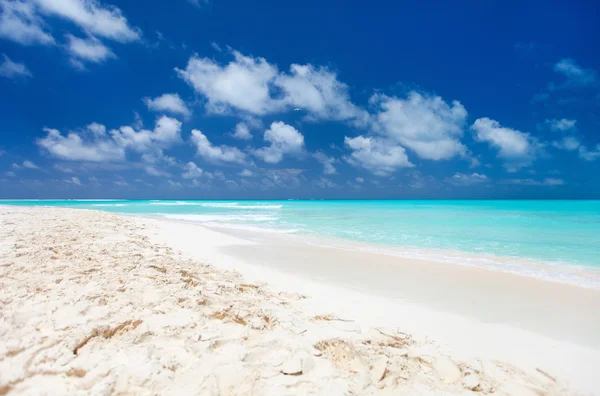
563 234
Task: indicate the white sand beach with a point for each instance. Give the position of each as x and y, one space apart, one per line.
96 303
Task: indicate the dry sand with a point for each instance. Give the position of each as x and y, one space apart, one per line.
93 303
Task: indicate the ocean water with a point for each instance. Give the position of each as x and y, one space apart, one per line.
564 235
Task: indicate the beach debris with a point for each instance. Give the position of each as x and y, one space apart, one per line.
545 374
378 370
292 367
471 381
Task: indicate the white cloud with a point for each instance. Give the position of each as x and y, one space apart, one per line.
10 69
561 125
212 153
97 129
575 74
30 165
121 183
242 131
547 182
19 22
10 174
90 49
518 149
153 171
424 124
192 171
93 17
462 179
166 133
64 169
327 162
75 180
168 102
318 91
324 182
588 155
72 147
284 139
568 143
242 84
175 184
246 173
253 85
138 123
360 180
95 145
376 155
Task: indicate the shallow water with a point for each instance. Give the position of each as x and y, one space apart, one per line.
559 233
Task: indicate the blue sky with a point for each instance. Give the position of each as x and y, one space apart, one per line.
312 99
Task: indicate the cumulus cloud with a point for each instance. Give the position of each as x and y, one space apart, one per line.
168 102
284 139
376 155
327 162
589 155
87 49
548 182
360 180
324 182
64 169
20 22
246 173
427 125
462 179
242 84
10 69
253 85
166 133
153 171
30 165
192 171
576 76
94 144
24 21
318 91
175 184
212 153
73 147
516 148
75 180
562 125
242 131
568 143
93 17
97 129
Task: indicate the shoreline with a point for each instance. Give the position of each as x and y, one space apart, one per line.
551 333
563 273
154 289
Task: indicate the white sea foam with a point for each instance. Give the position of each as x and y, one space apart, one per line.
220 218
554 272
224 205
245 227
119 204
